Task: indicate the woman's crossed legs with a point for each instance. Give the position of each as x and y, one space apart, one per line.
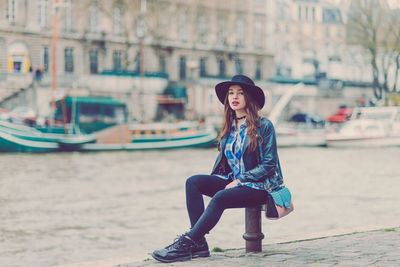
202 221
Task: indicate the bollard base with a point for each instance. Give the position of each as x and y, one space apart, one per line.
253 234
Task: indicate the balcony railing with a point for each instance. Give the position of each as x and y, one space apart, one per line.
135 74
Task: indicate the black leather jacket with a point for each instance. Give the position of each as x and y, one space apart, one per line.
256 170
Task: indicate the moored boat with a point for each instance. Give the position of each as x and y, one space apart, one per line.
20 138
153 136
369 126
100 124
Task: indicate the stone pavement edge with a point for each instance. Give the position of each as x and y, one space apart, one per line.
370 248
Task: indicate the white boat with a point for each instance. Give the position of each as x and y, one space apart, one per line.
370 126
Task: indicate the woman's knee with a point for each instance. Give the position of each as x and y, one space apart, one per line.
192 180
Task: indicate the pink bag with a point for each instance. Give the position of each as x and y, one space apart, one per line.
279 204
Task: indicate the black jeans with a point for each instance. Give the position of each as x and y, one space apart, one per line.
202 221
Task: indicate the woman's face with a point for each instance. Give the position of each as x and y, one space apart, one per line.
236 98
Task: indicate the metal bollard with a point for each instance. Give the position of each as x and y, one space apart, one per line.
253 234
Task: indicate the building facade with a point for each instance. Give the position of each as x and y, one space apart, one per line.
184 39
135 47
308 38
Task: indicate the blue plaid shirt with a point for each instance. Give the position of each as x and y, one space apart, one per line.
234 150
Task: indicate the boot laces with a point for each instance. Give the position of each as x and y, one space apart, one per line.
179 242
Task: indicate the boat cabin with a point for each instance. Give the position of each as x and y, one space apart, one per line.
89 113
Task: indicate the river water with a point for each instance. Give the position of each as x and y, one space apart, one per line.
73 207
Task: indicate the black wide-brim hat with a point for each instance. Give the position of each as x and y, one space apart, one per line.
247 84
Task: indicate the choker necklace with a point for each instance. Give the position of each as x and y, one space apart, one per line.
240 118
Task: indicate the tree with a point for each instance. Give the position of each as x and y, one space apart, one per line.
375 27
136 21
127 12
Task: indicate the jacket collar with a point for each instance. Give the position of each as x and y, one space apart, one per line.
246 140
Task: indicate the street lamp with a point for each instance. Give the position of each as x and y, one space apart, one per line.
54 53
56 5
140 34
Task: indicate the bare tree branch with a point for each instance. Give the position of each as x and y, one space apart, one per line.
373 26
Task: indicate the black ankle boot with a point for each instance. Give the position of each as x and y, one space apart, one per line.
201 249
180 250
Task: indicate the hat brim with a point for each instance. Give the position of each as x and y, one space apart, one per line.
254 91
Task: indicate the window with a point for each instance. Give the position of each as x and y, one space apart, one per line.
45 59
182 68
164 17
138 63
332 15
163 64
313 13
282 13
258 31
11 10
68 19
306 13
203 71
117 61
43 9
89 113
339 32
117 21
93 18
69 59
221 31
182 34
277 27
203 31
299 12
238 66
327 32
240 28
93 61
259 3
222 68
258 75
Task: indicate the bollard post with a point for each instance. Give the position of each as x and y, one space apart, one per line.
253 234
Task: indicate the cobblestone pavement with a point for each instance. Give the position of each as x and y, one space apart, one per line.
372 248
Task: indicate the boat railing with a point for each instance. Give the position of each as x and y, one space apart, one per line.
375 113
164 126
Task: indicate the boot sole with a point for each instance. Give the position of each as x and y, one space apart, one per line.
186 258
201 254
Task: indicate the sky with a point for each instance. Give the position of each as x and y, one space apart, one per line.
394 3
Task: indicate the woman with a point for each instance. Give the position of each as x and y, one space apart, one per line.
241 176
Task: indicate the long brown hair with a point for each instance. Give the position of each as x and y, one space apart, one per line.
251 120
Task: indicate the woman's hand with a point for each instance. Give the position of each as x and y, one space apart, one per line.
232 184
